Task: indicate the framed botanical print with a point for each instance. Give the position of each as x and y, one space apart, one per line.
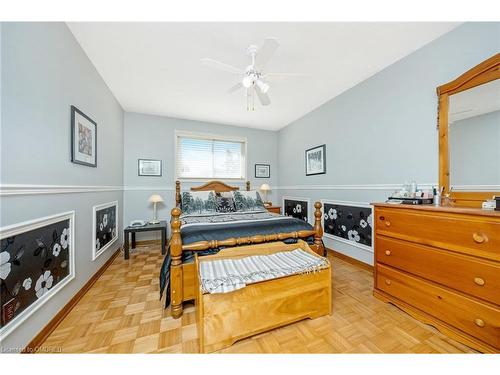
83 138
349 222
149 167
105 227
262 171
37 261
316 160
297 207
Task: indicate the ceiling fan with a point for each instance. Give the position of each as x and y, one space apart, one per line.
252 78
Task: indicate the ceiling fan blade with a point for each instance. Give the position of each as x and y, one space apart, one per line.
221 66
263 98
234 88
265 52
266 75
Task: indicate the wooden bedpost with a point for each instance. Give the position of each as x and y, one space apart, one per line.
248 185
176 266
318 229
177 193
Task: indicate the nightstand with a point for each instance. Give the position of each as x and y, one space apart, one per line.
130 230
274 209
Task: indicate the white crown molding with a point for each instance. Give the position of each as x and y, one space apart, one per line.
27 189
148 188
476 187
353 187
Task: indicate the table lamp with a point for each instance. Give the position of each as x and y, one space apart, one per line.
265 188
155 198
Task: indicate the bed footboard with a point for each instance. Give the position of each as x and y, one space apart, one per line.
176 248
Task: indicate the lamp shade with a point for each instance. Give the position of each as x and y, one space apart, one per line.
265 187
155 198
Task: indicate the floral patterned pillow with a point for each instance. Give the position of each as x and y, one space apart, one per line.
248 201
198 202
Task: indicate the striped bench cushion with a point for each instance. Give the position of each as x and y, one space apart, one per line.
226 275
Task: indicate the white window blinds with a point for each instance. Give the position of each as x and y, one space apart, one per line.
208 157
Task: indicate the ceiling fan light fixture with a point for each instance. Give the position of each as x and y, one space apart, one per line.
247 82
264 87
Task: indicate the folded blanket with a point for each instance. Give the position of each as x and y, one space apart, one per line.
227 275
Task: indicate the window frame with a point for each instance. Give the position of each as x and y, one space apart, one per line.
211 137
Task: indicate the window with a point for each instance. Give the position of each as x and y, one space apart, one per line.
206 156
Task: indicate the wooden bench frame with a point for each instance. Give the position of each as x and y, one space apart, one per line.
183 276
225 318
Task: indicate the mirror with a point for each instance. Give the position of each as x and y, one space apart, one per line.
469 135
474 138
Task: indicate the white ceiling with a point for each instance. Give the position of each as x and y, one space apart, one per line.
155 67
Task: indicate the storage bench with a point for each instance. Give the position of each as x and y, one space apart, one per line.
225 318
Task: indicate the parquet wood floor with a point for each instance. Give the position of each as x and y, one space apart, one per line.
121 313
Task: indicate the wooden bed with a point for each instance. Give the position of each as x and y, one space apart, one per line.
183 278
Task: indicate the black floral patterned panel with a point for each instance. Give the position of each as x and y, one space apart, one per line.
296 208
106 230
32 263
349 222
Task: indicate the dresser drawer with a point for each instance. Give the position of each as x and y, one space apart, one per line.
477 236
475 318
464 273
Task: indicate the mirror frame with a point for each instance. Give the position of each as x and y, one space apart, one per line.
487 71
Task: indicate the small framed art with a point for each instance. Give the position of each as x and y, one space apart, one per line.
83 138
105 227
349 222
148 167
37 261
262 171
296 207
316 160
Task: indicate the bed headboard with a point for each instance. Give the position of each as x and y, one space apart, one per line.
217 186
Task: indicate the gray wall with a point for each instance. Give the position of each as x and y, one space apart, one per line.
475 150
153 137
382 131
44 71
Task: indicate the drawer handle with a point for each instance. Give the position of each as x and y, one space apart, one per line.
479 238
388 252
479 322
382 218
388 282
387 223
479 281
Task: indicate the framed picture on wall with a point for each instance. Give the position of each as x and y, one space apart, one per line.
105 227
349 222
316 160
262 171
296 207
37 261
149 167
83 138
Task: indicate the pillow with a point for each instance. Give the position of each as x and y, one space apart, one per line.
198 202
225 204
248 201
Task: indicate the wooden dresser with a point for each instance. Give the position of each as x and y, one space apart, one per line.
442 266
